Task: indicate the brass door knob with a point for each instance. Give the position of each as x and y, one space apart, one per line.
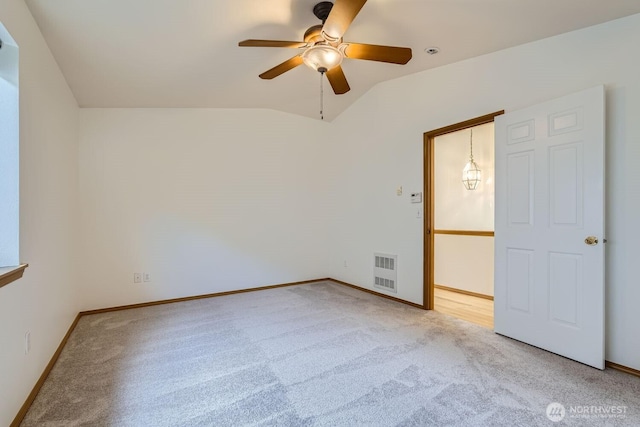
591 240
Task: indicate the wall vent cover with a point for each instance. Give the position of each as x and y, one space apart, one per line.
385 272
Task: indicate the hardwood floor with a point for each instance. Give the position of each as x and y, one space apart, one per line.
465 307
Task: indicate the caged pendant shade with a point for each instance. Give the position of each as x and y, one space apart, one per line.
471 174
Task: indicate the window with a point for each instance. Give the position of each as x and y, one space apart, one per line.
9 154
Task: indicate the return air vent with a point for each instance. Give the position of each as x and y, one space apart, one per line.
385 273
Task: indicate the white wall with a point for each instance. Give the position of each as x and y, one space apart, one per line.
43 301
464 262
205 200
378 146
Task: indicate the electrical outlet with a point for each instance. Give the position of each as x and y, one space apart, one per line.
27 342
137 278
146 277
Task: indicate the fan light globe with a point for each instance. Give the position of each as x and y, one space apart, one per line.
322 56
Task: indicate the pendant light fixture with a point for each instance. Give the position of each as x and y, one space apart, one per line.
471 174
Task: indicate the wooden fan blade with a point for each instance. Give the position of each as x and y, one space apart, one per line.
374 52
341 16
338 80
272 43
282 68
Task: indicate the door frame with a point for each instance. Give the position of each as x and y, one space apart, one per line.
429 199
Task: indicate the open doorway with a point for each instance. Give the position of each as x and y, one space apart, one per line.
459 216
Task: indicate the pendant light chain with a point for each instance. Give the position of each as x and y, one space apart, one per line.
471 144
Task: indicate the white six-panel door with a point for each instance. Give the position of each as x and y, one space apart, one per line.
549 280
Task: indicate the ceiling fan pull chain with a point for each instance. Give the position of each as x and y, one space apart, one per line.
322 71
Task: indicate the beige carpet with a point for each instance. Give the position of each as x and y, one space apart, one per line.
319 355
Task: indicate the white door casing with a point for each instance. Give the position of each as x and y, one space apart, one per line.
549 283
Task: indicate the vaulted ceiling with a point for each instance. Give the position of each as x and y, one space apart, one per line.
184 53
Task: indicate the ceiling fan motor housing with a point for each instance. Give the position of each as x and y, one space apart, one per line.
322 9
313 34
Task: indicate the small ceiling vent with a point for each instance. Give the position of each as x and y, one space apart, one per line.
385 272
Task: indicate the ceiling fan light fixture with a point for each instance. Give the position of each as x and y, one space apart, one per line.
322 56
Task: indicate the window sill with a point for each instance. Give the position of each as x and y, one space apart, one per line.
10 274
